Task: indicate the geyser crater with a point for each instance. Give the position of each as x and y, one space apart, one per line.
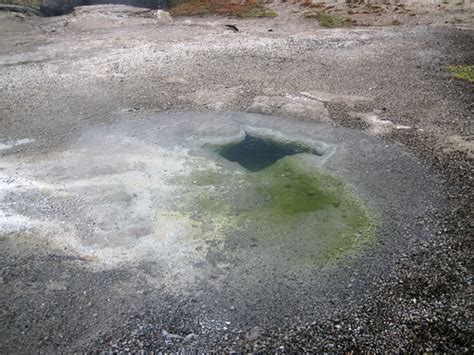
207 198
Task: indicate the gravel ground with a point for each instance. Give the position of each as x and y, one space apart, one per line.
60 77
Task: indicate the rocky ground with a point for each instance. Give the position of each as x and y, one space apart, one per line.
61 76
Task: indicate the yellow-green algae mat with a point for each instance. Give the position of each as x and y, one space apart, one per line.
291 210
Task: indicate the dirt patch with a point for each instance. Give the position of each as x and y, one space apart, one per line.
243 9
355 13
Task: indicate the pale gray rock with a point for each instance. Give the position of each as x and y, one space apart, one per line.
349 100
290 106
164 16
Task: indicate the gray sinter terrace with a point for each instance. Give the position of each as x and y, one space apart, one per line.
233 202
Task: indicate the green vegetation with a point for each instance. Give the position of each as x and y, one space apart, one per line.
464 72
258 11
328 20
248 8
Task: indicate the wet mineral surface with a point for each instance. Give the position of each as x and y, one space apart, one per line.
319 214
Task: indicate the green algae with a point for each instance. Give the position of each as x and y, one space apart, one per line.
311 212
291 191
290 210
208 178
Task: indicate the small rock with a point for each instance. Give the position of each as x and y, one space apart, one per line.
254 334
167 335
164 16
290 106
190 337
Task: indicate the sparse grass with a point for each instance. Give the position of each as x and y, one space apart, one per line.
328 20
259 11
463 72
247 8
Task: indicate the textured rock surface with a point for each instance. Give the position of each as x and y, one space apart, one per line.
290 106
62 77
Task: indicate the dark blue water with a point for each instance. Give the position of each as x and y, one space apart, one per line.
255 153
